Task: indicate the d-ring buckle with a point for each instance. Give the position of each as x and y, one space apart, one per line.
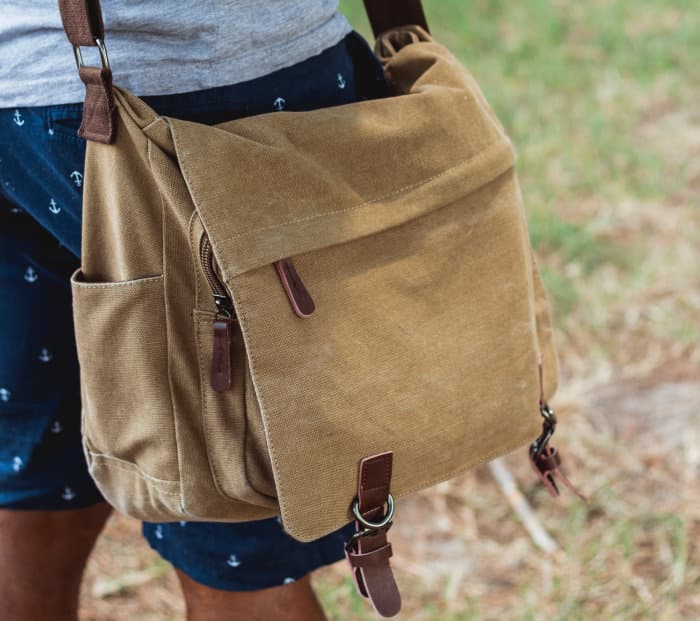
385 522
103 54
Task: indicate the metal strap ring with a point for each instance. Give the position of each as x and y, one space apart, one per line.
384 523
101 48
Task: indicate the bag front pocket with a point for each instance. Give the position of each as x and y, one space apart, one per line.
233 431
127 415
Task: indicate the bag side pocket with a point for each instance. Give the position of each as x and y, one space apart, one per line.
122 349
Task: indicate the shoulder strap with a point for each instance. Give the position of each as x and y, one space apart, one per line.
82 21
386 14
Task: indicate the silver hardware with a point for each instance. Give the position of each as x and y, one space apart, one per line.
372 527
101 48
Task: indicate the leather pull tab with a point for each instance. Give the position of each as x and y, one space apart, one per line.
547 465
221 376
368 551
299 297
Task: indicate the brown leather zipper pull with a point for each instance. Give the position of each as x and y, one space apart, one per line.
221 376
299 297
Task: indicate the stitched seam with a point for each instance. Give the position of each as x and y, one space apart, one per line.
368 203
120 464
168 340
148 280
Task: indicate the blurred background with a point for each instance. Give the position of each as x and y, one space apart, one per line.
602 100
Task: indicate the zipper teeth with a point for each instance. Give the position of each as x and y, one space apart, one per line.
206 256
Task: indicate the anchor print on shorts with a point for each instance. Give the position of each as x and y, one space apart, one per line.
17 464
233 561
56 427
68 494
341 81
288 580
159 532
77 178
53 207
279 103
4 394
17 118
30 274
45 355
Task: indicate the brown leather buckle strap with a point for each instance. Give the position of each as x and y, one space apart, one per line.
368 551
82 21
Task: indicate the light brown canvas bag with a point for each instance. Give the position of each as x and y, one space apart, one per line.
307 314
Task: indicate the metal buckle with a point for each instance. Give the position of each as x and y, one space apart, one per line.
103 54
370 528
383 524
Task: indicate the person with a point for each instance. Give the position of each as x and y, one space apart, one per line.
228 59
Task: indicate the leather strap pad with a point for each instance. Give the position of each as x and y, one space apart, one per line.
99 121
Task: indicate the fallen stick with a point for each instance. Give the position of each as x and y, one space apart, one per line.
522 508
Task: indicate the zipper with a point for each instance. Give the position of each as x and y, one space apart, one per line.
221 376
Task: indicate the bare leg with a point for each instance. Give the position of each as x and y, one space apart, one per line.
291 602
42 558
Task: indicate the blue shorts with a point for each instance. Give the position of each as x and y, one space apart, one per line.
41 460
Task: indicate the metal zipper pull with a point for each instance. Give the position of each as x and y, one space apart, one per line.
221 374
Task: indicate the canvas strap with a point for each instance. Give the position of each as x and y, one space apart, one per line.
82 21
368 552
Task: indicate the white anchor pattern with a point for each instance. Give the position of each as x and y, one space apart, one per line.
233 561
5 394
341 81
53 207
159 532
30 274
45 355
17 463
289 580
77 178
17 118
68 494
279 103
56 427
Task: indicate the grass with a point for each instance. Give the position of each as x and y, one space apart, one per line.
601 101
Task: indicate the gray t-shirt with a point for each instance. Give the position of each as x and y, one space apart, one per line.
161 47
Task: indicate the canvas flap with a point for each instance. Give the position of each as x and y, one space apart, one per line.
423 341
284 183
